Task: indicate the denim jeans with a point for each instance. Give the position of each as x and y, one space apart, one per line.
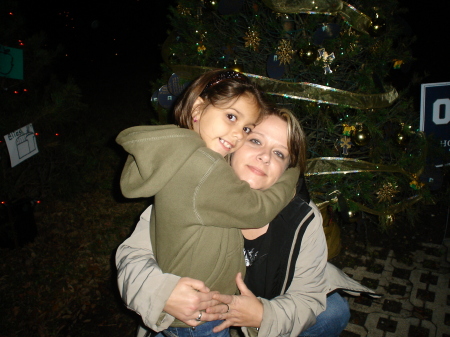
203 330
332 321
329 323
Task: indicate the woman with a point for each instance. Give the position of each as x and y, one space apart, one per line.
296 295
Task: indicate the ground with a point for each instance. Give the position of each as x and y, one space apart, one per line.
63 284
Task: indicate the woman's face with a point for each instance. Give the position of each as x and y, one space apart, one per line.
264 155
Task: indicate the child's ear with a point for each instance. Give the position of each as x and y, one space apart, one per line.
197 108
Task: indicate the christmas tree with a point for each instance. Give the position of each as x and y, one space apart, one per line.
340 67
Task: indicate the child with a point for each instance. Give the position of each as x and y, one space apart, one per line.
200 204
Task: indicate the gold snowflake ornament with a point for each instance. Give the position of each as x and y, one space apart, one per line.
387 192
252 39
285 51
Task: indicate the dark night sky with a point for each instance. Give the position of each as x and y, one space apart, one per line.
140 28
430 26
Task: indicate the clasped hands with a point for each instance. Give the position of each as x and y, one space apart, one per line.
190 297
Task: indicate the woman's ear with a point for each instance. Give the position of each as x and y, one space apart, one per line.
197 109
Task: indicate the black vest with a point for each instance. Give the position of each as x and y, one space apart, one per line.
272 275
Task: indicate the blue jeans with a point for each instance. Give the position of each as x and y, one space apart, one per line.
333 320
203 330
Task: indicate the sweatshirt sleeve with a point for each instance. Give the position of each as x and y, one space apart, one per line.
144 288
220 194
205 184
296 310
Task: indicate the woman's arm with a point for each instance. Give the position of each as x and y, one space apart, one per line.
296 310
156 296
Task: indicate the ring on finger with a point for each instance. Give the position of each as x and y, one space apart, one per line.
228 307
199 318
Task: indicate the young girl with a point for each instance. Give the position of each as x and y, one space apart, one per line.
200 203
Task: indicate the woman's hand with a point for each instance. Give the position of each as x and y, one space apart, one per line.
245 309
188 298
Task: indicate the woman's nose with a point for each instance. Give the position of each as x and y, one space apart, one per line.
264 157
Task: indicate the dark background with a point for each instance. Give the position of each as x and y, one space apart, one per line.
135 31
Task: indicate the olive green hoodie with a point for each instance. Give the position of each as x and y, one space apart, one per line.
200 203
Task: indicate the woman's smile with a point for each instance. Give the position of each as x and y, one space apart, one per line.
256 170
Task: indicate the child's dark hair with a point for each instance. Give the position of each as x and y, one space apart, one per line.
215 87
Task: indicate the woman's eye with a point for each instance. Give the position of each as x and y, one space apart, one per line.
255 141
247 130
231 117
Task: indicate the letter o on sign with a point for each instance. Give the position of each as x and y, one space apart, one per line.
436 111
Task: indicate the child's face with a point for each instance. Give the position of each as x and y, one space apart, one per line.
224 128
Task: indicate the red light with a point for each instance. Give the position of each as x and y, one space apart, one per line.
16 92
25 90
38 202
36 134
11 13
3 202
56 134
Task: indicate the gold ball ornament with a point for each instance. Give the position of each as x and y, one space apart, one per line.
308 55
402 138
238 67
360 137
354 216
386 220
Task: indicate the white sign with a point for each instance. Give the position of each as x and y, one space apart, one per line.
21 144
435 112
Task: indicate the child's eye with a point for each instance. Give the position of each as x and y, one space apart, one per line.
231 117
247 130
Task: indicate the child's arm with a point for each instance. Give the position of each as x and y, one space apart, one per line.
222 195
196 179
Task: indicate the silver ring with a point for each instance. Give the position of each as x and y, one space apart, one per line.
199 318
227 307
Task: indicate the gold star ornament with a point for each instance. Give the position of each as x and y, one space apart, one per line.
285 51
252 39
387 192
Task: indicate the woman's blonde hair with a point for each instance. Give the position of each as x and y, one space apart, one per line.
296 137
216 87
